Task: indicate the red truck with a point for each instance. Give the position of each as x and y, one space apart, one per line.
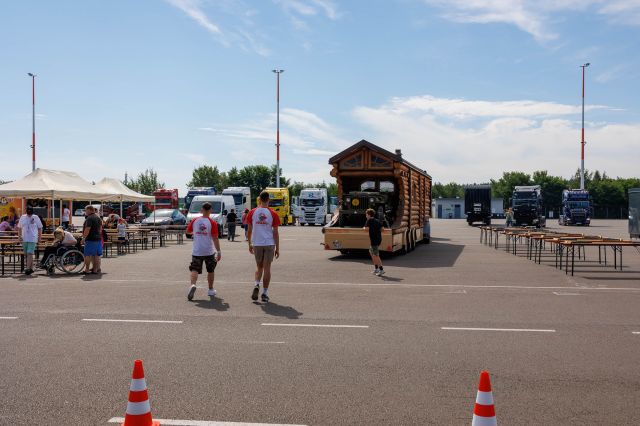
165 199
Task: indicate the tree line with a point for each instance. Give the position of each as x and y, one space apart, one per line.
610 197
256 177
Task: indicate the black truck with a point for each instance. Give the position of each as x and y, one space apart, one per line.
477 204
528 208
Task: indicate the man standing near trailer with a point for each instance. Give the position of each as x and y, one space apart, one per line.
264 243
374 226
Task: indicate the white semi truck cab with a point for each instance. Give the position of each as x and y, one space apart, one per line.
314 206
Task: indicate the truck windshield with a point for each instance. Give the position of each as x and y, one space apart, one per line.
312 202
196 206
275 202
578 204
524 194
237 199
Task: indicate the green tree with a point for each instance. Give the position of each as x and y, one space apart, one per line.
503 187
574 181
145 183
552 187
208 176
233 177
255 177
284 182
447 190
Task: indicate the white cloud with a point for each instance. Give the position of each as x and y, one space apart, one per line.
622 11
529 136
610 74
299 11
534 16
192 8
244 33
196 158
461 108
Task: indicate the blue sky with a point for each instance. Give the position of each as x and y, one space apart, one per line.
466 88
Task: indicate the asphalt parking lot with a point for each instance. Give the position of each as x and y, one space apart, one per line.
336 345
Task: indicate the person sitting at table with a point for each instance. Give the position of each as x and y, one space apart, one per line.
62 240
5 225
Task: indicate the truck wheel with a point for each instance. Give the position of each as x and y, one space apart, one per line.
286 221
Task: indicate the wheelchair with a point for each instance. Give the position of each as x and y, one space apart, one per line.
69 260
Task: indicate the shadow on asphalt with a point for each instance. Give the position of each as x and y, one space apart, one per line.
276 310
215 303
435 255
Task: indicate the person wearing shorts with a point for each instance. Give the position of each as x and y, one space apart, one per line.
205 237
29 231
374 226
92 236
264 243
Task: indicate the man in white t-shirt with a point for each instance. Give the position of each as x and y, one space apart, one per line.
66 217
205 237
30 231
264 243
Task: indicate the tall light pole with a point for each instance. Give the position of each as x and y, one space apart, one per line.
583 142
278 72
33 121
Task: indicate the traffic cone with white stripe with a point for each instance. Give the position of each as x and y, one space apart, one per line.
484 413
138 407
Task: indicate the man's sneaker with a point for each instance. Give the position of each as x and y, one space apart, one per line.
192 292
265 298
256 291
375 272
380 272
28 271
212 292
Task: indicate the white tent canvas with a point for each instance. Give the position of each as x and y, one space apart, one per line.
55 185
122 192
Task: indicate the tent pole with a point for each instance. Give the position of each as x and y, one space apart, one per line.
121 206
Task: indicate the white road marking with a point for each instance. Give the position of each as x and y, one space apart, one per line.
172 422
343 284
251 342
9 318
130 320
314 325
635 332
533 330
560 293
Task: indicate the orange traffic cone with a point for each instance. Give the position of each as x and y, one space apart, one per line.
138 407
484 413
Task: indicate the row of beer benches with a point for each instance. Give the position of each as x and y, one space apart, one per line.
562 245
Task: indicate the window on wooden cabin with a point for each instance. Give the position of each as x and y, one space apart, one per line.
386 186
354 162
378 162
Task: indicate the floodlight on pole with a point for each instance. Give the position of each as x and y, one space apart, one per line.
278 72
582 143
33 121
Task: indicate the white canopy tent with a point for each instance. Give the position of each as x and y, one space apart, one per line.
54 185
122 192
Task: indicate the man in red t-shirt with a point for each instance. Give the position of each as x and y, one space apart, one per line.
205 236
264 243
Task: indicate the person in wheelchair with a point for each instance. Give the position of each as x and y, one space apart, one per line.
62 241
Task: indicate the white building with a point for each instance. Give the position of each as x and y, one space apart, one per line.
454 208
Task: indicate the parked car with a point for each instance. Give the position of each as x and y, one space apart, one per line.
165 217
